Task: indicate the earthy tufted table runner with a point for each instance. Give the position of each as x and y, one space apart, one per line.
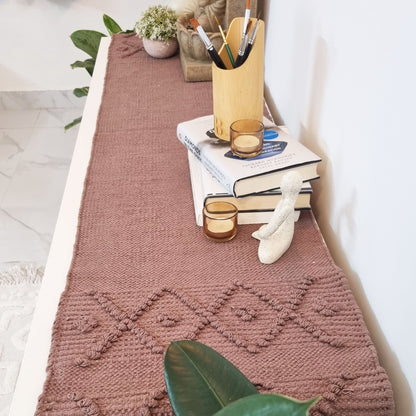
143 275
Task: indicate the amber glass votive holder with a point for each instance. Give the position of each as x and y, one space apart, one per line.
246 138
220 221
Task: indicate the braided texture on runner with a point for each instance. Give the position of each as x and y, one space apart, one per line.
143 275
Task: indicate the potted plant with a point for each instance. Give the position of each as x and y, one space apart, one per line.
157 28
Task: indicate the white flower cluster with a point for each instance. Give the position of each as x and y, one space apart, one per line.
157 22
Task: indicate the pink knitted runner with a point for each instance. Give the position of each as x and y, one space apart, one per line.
143 274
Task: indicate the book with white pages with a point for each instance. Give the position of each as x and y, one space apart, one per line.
241 177
206 189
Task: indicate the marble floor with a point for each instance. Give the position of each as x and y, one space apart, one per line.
35 155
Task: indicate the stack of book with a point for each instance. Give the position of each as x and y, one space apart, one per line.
252 185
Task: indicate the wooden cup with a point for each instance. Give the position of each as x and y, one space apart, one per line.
238 92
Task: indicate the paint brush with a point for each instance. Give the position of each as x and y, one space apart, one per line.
244 34
208 44
227 46
250 41
239 61
246 16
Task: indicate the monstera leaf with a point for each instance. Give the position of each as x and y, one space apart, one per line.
267 405
200 381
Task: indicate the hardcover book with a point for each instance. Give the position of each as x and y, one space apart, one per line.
253 209
241 177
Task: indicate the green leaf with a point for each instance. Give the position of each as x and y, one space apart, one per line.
73 123
88 64
111 25
268 405
88 41
81 92
200 381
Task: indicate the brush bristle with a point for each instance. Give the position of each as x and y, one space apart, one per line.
194 23
248 26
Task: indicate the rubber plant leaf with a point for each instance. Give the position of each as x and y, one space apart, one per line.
111 25
268 405
88 41
200 381
88 64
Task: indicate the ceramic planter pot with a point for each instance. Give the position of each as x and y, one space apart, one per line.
159 48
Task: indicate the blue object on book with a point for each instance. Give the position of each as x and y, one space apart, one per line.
270 134
269 149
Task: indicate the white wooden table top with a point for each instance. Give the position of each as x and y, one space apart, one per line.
33 369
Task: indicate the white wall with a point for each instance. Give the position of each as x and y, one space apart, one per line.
342 77
35 48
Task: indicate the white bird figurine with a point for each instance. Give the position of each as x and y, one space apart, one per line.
276 236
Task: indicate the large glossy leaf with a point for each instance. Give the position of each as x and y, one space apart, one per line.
200 381
111 25
268 405
88 41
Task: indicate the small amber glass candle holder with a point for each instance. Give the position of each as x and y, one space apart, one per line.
220 221
246 137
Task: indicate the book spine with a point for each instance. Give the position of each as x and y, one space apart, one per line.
205 160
